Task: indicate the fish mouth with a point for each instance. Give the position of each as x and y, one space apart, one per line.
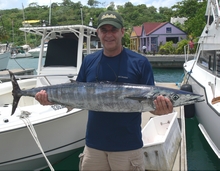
196 99
200 100
190 101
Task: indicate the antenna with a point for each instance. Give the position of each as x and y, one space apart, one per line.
81 14
50 14
25 34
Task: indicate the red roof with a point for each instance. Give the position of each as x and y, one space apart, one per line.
137 30
150 27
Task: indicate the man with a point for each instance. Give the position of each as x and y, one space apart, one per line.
144 49
113 140
191 46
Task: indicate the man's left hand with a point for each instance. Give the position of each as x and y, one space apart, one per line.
163 106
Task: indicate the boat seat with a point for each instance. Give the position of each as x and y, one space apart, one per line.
61 52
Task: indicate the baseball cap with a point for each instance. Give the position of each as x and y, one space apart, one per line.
110 17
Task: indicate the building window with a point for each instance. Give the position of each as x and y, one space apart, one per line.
173 39
206 60
168 30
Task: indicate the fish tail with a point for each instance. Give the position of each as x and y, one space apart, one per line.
16 92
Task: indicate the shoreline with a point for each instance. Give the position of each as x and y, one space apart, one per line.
168 61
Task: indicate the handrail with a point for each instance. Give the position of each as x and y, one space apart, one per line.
43 75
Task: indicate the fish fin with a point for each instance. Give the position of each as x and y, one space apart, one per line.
16 92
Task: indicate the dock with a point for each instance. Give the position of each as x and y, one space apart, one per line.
168 61
4 75
180 163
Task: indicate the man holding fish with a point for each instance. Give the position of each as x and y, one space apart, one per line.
113 139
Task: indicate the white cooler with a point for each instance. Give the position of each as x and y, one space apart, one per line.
161 137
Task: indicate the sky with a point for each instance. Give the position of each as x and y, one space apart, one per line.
9 4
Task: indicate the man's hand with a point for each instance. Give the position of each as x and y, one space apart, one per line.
42 98
163 106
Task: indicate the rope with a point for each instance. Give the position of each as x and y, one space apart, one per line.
24 117
18 64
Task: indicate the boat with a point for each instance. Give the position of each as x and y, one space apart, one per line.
21 55
4 56
38 136
20 52
36 51
202 76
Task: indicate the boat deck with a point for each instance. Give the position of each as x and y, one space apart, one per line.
180 163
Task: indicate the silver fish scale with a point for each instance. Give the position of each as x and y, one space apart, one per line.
110 97
102 97
107 97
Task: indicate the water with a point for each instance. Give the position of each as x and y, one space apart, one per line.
23 63
165 75
168 75
199 155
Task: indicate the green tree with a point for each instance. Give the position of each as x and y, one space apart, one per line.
68 12
93 3
67 3
111 6
193 10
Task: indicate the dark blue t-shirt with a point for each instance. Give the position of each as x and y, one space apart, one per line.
115 131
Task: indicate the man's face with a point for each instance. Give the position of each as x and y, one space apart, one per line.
110 37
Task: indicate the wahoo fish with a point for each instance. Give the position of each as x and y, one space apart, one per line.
106 96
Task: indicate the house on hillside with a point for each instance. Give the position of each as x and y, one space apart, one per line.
135 38
178 20
155 34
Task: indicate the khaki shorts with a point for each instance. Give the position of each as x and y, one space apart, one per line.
96 160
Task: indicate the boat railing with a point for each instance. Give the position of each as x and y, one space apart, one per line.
187 51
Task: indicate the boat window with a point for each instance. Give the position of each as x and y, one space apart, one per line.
206 60
62 52
218 63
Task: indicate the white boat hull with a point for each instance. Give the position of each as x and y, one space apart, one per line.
59 132
35 54
58 138
4 59
208 117
36 51
22 55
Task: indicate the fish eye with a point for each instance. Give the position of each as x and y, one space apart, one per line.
174 97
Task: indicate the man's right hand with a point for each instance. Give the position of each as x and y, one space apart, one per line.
42 98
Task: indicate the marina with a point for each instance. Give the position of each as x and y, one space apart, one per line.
180 157
157 153
173 142
199 154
